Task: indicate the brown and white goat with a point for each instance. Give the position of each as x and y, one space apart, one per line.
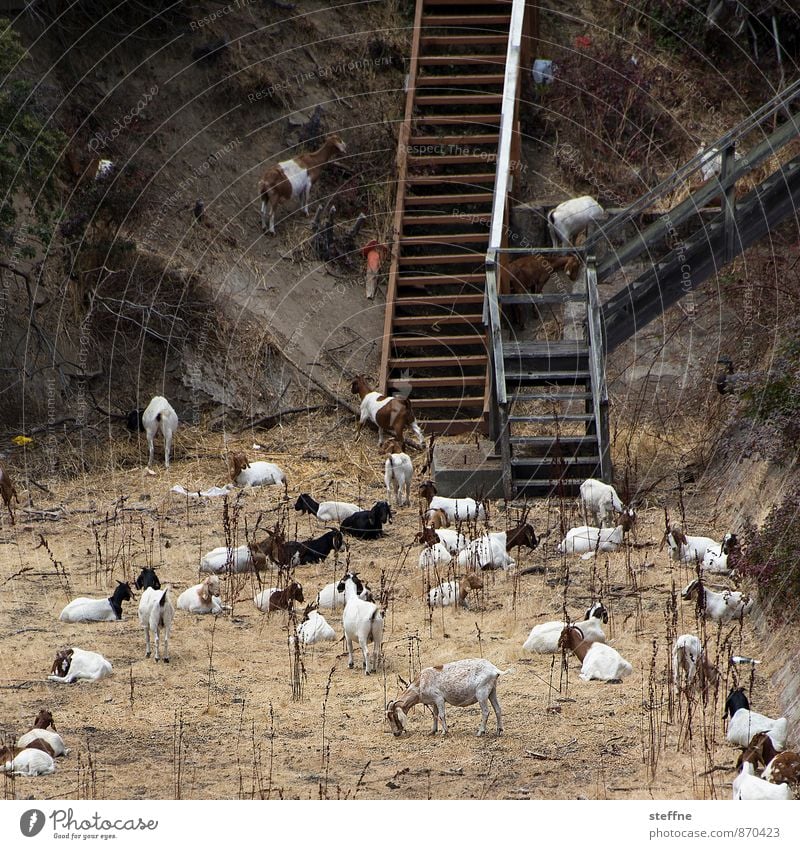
277 599
8 491
529 274
293 178
389 414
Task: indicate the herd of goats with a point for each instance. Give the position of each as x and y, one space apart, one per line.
446 550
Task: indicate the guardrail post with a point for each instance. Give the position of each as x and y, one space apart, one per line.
597 367
729 221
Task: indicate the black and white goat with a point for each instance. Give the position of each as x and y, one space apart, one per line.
368 524
362 622
156 612
98 609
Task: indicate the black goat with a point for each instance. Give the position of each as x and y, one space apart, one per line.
368 524
147 578
316 550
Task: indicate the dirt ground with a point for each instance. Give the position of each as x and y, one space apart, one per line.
220 720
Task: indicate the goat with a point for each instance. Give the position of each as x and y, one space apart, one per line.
7 492
459 683
243 558
98 609
316 550
687 549
325 511
74 664
588 541
600 501
599 661
759 751
456 509
747 786
368 524
529 274
294 178
330 598
436 519
453 540
398 472
744 723
273 599
362 621
571 218
389 414
721 607
783 767
28 761
258 473
690 664
544 638
493 550
314 628
716 560
455 592
159 415
156 612
40 731
201 598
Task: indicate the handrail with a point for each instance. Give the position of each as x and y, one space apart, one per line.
678 177
503 172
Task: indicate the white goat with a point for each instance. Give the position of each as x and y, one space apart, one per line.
459 683
747 787
544 638
688 549
257 473
158 416
239 559
721 607
715 560
30 762
690 664
571 218
486 552
398 472
330 598
435 556
587 541
156 614
328 512
744 723
201 598
97 609
41 731
74 664
600 501
456 509
455 592
362 621
599 661
314 629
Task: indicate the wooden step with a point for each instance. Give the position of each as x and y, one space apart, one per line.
470 403
474 138
445 239
431 340
440 160
438 382
544 488
574 442
572 417
461 40
463 59
467 3
452 427
544 298
438 362
458 99
467 179
463 220
460 21
443 259
449 200
478 119
433 320
560 348
446 280
453 80
549 396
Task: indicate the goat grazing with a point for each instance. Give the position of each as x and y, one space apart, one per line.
201 598
75 664
544 638
40 731
748 787
690 664
98 609
156 612
325 511
459 683
362 621
294 178
258 473
529 274
745 723
600 501
368 524
721 607
571 218
314 628
158 416
599 661
588 541
455 592
456 509
279 599
7 492
398 472
392 415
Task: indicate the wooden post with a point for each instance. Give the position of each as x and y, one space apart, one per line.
729 224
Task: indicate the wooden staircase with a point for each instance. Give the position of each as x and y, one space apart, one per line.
434 336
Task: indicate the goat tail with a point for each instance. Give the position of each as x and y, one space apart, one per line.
505 671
